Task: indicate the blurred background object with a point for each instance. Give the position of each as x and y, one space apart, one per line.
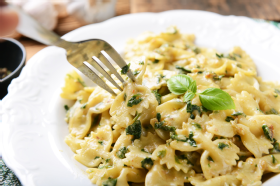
63 16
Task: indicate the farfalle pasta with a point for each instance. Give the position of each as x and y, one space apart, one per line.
158 133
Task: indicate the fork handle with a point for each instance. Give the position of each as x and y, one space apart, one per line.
31 28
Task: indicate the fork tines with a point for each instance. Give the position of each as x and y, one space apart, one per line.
106 59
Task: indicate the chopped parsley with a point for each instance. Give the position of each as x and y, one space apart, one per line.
158 117
134 101
189 140
96 157
124 96
141 63
161 153
198 126
158 96
210 159
159 125
239 65
272 111
125 69
100 142
110 182
81 82
276 148
83 106
135 72
108 160
66 107
267 132
121 152
156 61
177 160
183 70
135 129
218 78
229 118
220 55
147 163
191 108
222 145
238 113
274 160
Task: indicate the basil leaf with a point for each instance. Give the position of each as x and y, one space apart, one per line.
216 99
179 84
188 96
193 87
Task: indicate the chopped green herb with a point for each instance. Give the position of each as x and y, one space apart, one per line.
237 55
124 96
124 165
161 153
222 145
229 56
238 113
209 165
108 160
189 140
125 69
66 107
267 132
259 110
110 182
100 142
183 70
239 65
121 152
135 72
200 72
276 148
134 101
104 166
141 63
272 111
256 165
157 95
277 91
135 129
177 160
159 125
196 50
158 117
274 160
81 82
198 126
83 106
156 61
191 108
275 95
147 163
218 78
220 56
210 159
229 118
96 157
143 150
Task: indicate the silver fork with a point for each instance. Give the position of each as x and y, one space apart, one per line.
83 55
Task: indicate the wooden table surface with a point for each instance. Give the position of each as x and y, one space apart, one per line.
261 9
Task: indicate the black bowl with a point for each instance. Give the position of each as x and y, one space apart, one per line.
12 57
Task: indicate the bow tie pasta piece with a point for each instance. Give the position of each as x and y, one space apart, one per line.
82 114
166 156
219 125
73 84
230 180
95 149
160 175
105 175
218 158
73 143
248 104
131 175
256 146
134 99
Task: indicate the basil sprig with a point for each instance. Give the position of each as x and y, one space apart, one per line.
211 98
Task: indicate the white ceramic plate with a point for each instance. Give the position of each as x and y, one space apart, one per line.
34 127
